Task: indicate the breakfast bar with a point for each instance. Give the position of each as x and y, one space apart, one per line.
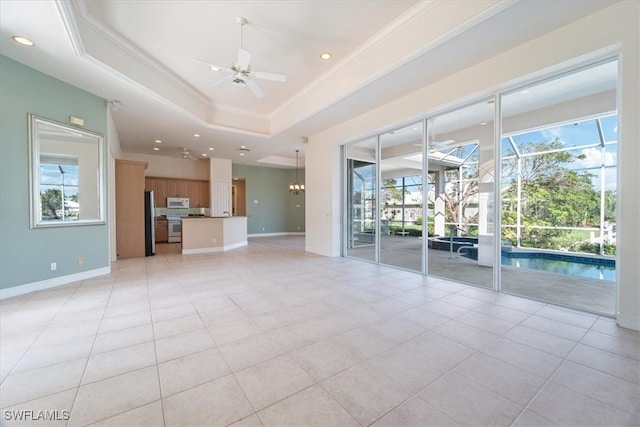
213 234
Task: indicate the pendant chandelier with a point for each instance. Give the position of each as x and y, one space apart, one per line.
296 188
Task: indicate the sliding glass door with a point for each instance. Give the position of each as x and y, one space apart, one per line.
558 173
401 218
361 209
460 163
550 232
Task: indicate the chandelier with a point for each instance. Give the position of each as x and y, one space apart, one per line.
296 188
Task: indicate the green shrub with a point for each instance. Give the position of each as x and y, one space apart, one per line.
593 248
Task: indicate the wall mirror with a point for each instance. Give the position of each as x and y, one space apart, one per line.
66 174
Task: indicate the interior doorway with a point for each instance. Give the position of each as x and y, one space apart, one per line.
239 197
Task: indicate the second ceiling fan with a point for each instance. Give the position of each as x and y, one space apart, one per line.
241 73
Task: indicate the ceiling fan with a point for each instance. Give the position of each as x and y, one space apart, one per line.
241 73
186 154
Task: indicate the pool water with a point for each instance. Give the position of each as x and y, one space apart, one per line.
590 271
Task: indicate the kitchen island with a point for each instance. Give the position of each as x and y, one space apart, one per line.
213 234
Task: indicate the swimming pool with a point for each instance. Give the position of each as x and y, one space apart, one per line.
569 264
595 268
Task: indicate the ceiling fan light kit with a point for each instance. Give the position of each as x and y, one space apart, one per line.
186 154
241 73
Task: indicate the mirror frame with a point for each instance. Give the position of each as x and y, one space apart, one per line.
34 122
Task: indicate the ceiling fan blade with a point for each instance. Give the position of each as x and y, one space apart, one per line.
211 64
270 76
222 81
254 88
244 57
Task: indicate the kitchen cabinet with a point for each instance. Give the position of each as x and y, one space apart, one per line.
199 194
159 188
196 191
130 185
162 231
177 188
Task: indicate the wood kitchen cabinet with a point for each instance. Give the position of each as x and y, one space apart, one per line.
196 191
130 186
162 231
177 188
159 188
199 194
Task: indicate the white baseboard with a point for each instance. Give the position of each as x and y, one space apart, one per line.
52 283
236 245
630 322
284 233
213 249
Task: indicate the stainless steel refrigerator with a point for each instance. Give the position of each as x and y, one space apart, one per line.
149 224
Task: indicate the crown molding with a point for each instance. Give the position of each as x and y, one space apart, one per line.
411 23
66 11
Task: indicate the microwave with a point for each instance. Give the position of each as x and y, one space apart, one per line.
177 202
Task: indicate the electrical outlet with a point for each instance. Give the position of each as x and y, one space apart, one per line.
214 240
80 260
298 228
54 266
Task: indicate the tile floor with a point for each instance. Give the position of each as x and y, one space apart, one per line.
270 335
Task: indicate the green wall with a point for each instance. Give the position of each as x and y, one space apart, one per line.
25 254
277 211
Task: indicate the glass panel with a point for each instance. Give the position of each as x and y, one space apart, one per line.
573 135
65 173
361 200
559 190
401 216
58 188
460 165
610 128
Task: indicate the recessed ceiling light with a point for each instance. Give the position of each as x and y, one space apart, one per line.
242 154
23 41
325 56
483 123
158 141
204 154
214 69
197 135
156 149
243 146
210 148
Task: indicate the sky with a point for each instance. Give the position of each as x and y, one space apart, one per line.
50 177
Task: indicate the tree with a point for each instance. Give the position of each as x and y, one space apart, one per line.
390 191
551 196
609 205
51 201
461 191
457 201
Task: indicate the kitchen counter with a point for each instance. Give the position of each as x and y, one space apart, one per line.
213 234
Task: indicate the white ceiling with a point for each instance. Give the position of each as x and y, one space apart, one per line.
142 53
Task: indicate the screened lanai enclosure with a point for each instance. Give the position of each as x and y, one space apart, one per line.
515 192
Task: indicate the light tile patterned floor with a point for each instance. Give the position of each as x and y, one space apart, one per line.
270 335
